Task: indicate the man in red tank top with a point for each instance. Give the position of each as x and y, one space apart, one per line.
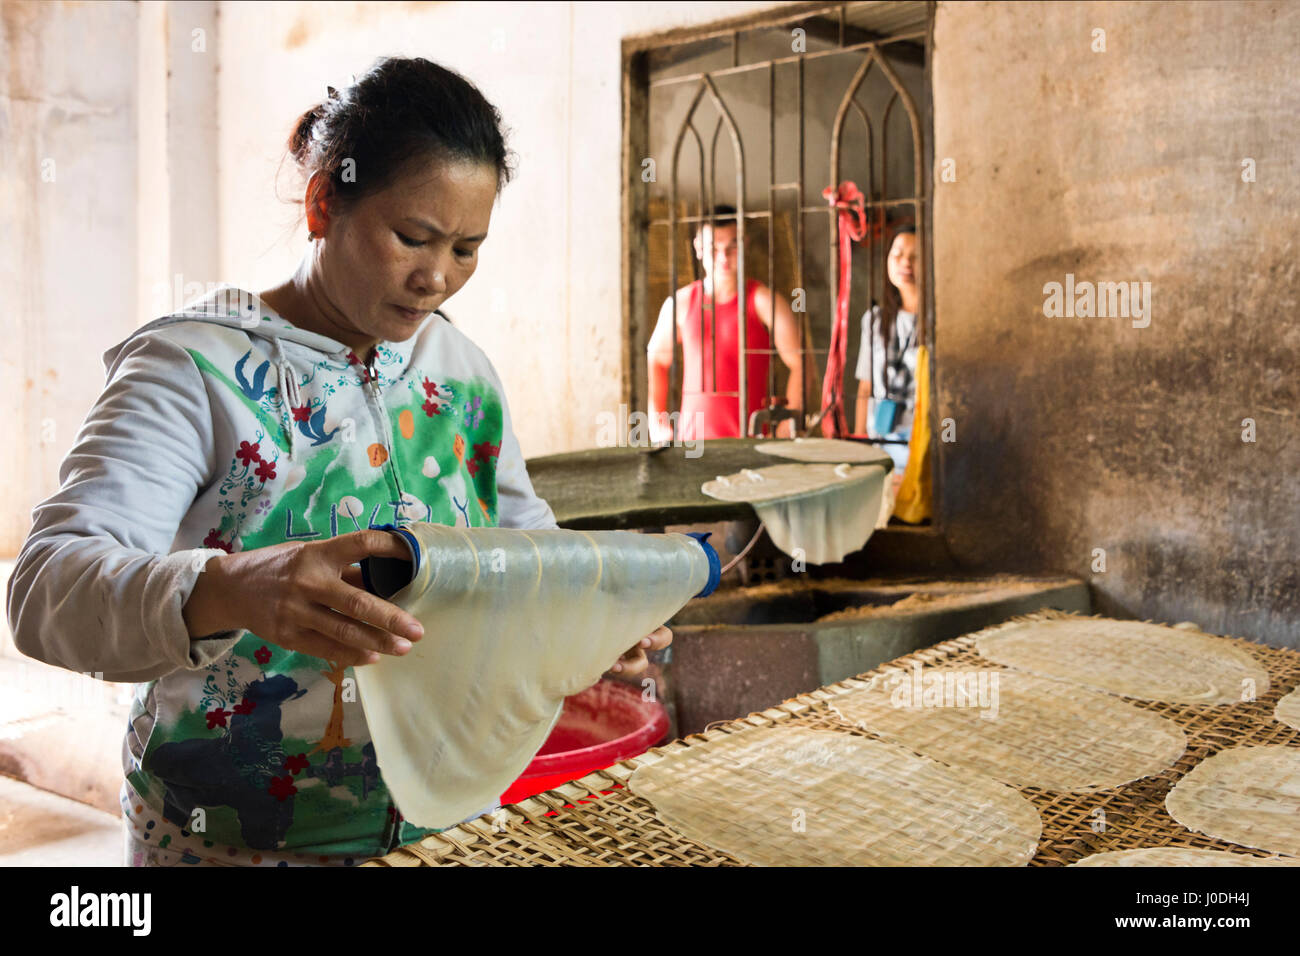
708 313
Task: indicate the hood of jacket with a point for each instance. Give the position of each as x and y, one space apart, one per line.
228 306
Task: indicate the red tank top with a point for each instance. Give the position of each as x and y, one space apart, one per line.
705 412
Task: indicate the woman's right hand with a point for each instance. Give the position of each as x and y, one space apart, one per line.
306 597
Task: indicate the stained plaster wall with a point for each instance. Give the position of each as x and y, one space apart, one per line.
1080 435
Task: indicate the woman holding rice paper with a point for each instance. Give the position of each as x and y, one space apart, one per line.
236 467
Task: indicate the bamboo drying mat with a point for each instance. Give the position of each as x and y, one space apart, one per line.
596 821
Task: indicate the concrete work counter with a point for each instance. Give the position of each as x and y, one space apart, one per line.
622 488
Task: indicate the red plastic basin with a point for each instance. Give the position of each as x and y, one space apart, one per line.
604 724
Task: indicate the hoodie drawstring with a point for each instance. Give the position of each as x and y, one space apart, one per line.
289 394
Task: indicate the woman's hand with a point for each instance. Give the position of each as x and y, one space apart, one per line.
306 597
634 662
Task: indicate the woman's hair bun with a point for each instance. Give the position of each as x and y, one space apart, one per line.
401 112
300 139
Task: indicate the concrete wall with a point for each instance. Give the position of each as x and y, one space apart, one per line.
1075 434
107 129
68 228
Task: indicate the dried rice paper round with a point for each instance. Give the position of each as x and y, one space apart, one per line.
1244 795
1180 856
1131 658
817 512
831 450
1288 709
790 796
1024 730
779 482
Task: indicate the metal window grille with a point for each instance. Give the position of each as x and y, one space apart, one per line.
874 51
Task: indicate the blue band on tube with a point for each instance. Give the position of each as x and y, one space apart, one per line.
715 563
411 542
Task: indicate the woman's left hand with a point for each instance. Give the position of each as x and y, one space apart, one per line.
634 662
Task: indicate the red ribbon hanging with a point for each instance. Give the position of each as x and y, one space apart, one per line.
849 201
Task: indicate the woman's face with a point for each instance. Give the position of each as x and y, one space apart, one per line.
901 264
411 246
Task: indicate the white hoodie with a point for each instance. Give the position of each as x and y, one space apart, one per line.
219 432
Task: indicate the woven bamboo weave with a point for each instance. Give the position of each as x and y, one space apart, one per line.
597 821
